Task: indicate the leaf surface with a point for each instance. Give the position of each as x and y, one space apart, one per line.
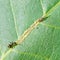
43 43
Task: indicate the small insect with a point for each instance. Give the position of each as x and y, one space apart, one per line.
37 27
12 44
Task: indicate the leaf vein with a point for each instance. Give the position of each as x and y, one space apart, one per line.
14 18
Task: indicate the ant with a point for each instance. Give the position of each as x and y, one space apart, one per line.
12 44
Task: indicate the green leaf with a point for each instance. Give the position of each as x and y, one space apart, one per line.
43 43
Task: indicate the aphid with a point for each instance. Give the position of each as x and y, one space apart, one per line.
12 44
37 27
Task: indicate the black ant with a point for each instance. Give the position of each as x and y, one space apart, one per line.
12 44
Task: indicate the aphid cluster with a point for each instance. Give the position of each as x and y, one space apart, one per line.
27 32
